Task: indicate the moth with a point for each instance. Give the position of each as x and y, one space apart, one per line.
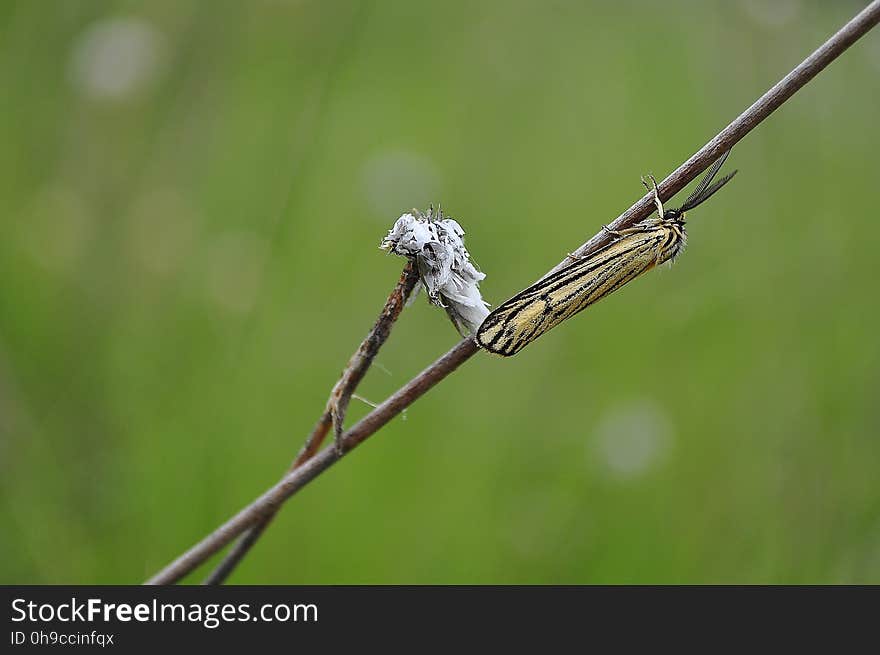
534 311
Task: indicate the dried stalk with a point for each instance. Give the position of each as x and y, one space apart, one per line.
269 502
335 410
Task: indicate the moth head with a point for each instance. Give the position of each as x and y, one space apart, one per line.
675 215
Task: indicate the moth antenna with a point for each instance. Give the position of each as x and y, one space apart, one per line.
708 193
705 189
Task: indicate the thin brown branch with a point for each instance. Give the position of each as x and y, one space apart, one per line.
860 25
335 410
268 502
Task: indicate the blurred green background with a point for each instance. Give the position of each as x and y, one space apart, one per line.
192 197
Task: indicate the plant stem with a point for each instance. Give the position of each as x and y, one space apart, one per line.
269 502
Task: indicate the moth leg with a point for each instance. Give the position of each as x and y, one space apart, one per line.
614 233
621 233
653 187
574 258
